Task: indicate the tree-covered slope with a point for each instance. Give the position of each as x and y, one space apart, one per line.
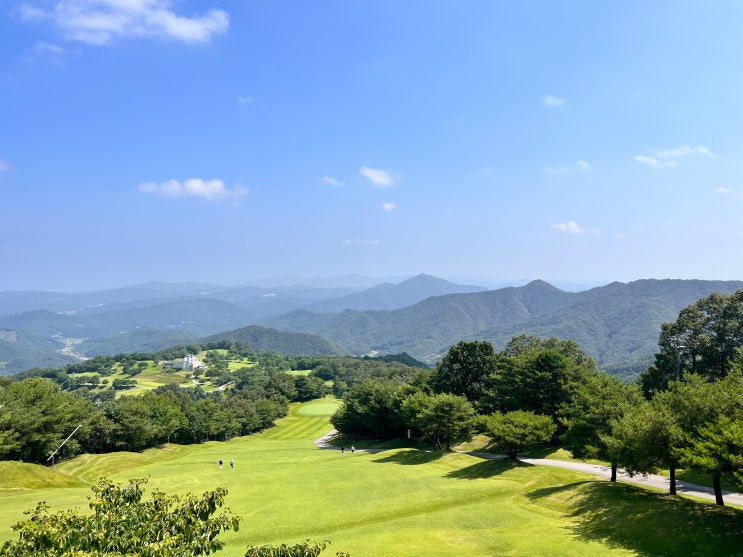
615 323
21 350
428 328
289 343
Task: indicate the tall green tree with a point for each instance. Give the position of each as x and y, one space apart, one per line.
514 430
717 449
368 411
467 369
645 439
711 416
703 340
588 417
35 418
443 418
542 381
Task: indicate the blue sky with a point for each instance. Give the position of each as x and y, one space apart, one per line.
225 141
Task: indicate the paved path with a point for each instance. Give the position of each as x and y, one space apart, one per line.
648 480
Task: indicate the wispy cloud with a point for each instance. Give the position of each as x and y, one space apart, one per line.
670 157
579 166
4 165
360 242
332 181
211 190
389 206
571 227
42 47
730 191
245 100
377 176
102 21
552 100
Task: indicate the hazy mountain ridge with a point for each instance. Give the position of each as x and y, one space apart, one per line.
428 328
613 323
393 296
617 324
153 315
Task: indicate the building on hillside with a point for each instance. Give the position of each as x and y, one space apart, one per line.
189 363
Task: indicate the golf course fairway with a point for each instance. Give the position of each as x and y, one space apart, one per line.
400 502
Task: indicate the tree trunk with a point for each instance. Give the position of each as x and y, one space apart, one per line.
672 488
613 472
718 489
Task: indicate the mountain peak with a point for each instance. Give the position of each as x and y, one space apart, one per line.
541 285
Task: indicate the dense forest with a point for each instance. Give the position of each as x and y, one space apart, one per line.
41 407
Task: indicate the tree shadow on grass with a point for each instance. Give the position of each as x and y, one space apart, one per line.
410 457
486 469
624 516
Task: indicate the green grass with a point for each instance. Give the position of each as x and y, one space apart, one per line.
401 502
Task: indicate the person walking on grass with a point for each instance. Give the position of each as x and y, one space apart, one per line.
232 463
220 463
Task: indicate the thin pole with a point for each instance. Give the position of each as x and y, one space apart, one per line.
51 456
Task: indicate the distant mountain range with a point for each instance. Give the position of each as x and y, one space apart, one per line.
618 324
54 328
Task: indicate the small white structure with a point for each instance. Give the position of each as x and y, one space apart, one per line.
191 363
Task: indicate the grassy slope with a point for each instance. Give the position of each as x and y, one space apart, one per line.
401 502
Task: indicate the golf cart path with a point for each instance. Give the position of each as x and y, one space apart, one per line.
648 480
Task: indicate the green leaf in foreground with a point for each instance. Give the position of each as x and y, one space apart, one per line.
125 524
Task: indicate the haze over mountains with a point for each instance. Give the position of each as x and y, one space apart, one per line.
618 324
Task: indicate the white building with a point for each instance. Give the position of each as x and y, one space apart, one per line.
191 363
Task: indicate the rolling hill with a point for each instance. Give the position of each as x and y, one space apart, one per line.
283 342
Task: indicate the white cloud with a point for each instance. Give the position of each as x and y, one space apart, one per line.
389 206
724 191
359 242
245 100
211 190
552 100
579 166
669 157
102 21
653 162
332 181
377 176
4 165
571 227
42 47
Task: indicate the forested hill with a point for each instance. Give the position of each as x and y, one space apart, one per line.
615 323
288 343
